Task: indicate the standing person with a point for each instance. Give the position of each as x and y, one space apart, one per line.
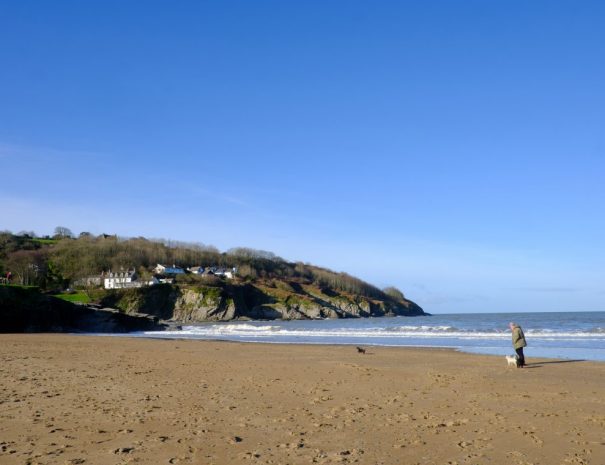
518 342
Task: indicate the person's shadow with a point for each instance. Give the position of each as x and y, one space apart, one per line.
539 364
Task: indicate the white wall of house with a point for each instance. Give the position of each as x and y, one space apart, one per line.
121 280
125 283
118 282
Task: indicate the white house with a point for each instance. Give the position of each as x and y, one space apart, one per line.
120 280
229 274
124 280
163 269
196 269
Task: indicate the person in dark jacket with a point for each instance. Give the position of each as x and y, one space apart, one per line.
518 342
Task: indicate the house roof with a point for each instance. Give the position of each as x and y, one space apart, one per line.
121 274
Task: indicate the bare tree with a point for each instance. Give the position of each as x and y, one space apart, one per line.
62 232
28 266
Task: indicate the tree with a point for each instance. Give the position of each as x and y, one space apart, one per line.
28 266
393 292
62 232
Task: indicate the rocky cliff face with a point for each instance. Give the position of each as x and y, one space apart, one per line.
27 310
230 302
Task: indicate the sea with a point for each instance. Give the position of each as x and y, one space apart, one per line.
569 335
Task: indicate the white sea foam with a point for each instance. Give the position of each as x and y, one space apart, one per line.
565 335
271 331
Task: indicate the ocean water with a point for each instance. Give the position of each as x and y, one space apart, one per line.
577 335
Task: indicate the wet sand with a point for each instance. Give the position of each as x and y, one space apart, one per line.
104 400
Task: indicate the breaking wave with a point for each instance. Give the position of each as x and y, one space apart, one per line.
246 330
572 335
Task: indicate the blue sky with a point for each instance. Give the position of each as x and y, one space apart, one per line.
453 149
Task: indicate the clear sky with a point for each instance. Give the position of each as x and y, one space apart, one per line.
454 149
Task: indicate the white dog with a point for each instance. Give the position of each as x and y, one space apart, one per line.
512 360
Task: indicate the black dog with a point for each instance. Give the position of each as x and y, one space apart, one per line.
361 350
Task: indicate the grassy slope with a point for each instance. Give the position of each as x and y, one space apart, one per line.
78 297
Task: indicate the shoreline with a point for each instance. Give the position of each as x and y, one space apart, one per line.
108 400
348 344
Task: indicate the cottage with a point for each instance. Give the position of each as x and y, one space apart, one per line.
196 269
125 280
229 274
163 269
121 280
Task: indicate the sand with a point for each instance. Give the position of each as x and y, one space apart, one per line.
105 400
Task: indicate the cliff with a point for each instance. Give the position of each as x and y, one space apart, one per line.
261 285
273 300
28 310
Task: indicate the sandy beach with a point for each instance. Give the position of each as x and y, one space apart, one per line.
105 400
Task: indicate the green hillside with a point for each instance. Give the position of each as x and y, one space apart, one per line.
264 285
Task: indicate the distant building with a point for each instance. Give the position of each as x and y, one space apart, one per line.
229 274
163 269
88 281
213 270
120 280
125 280
195 269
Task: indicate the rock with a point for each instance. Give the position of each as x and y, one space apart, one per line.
123 450
190 304
139 309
